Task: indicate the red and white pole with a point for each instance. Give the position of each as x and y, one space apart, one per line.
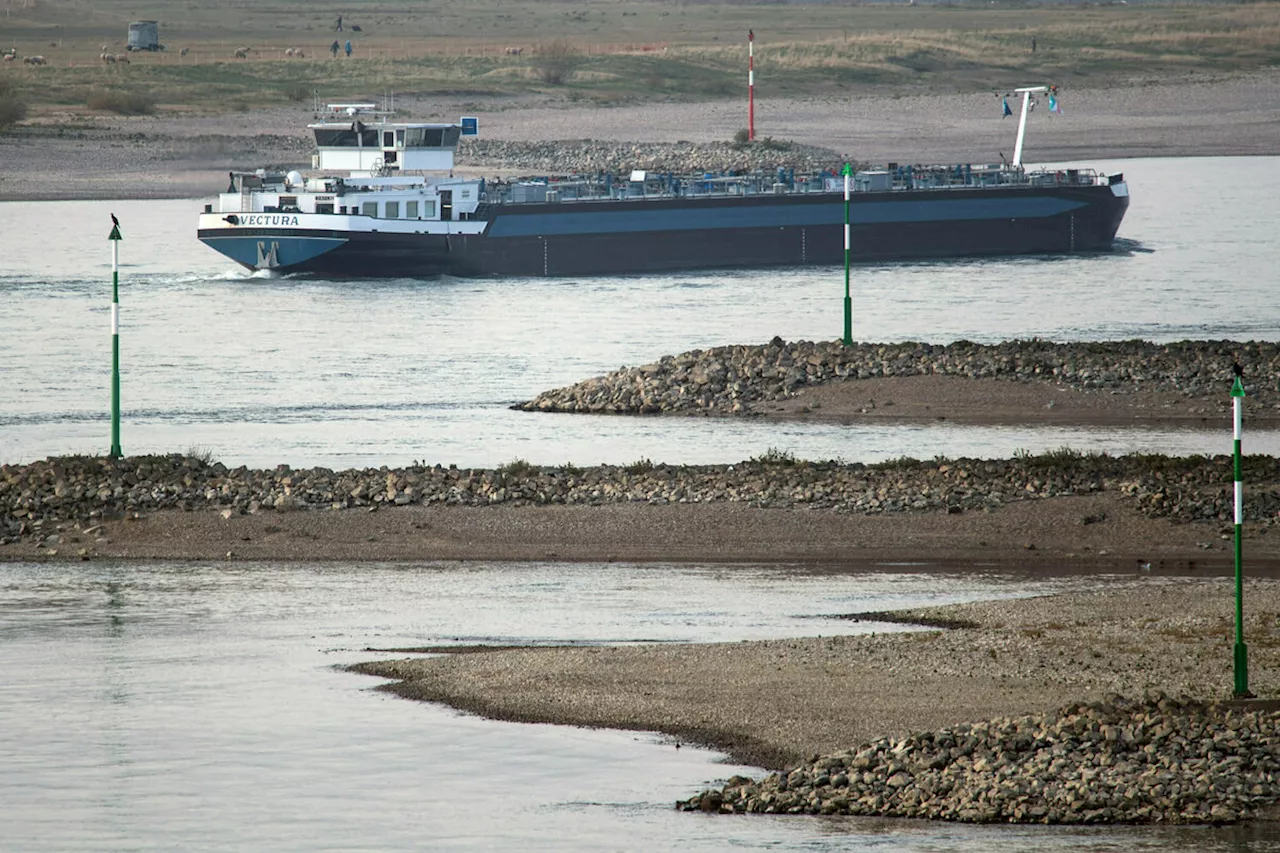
751 86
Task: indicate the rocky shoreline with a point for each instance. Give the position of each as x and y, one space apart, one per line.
1156 760
41 499
589 156
738 379
1017 712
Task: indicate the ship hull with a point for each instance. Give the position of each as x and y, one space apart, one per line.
679 234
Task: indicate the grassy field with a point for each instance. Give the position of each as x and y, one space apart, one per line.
615 51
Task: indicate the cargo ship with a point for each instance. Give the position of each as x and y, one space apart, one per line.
381 201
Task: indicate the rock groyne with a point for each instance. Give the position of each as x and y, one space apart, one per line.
36 497
731 379
1157 760
590 157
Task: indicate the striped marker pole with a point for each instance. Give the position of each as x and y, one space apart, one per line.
751 86
115 239
848 300
1241 651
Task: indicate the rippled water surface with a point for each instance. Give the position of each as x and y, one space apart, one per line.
199 707
261 371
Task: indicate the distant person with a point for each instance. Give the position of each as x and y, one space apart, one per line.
334 48
348 48
337 28
1033 44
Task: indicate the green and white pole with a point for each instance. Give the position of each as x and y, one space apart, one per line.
1241 651
115 239
848 300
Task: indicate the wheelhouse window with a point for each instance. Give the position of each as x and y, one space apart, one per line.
370 208
346 137
432 137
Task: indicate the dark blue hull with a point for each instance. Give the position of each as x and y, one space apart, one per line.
674 234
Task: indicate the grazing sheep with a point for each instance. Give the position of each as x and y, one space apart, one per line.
104 49
515 51
121 58
288 51
34 60
184 51
242 53
9 57
108 58
9 51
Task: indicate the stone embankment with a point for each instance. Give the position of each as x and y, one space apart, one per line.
730 379
589 157
36 497
1159 760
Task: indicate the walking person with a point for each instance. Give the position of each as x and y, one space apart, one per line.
334 48
337 28
348 48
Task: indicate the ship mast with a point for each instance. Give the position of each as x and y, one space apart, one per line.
1027 92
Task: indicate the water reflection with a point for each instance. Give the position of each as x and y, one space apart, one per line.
197 706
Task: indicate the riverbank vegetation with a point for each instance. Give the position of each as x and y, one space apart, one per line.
622 52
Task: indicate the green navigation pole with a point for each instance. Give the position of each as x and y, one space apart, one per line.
115 239
848 301
1241 651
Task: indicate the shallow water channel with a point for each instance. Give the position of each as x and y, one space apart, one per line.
202 707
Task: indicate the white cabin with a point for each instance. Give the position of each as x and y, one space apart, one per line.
375 171
346 143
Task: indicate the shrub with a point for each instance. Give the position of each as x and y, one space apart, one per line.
742 137
123 103
13 108
554 62
297 92
776 456
641 466
516 468
201 453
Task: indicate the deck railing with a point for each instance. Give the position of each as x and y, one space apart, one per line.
540 190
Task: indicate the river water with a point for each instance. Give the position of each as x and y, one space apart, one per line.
261 371
200 707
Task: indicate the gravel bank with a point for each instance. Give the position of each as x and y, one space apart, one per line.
808 702
42 500
1158 760
589 157
745 379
